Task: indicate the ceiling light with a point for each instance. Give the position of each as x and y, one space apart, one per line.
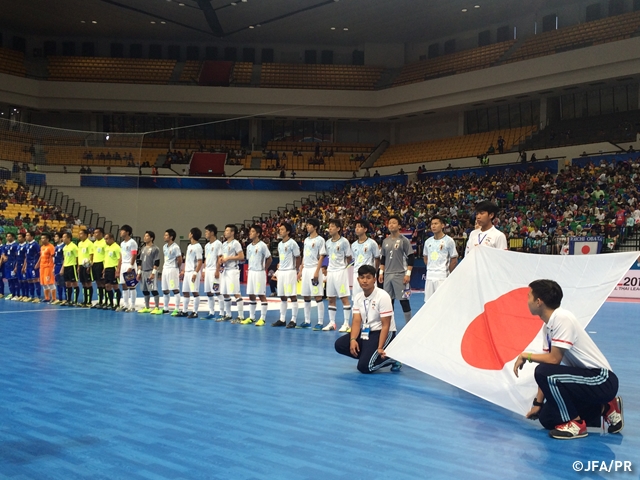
93 21
251 26
464 9
82 21
476 6
181 4
345 29
333 28
163 23
258 25
233 3
152 22
244 1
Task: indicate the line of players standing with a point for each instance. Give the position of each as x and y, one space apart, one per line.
60 268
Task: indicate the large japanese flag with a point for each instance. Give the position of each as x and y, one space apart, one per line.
471 330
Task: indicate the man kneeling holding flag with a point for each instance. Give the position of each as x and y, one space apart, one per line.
576 387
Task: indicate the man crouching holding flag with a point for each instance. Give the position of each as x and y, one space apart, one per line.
576 387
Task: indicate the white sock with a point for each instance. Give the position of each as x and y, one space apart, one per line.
125 297
211 301
221 305
263 312
294 311
283 310
347 314
307 311
185 304
176 300
165 300
133 295
227 306
252 310
196 304
240 304
332 315
320 312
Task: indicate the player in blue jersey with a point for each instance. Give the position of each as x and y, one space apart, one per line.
29 270
8 265
20 258
2 260
58 260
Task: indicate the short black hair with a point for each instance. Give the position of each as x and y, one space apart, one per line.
364 224
67 233
367 270
488 207
196 233
396 218
172 233
212 228
151 234
258 229
127 228
548 291
99 229
336 222
20 234
232 227
108 235
85 231
47 235
287 227
439 218
315 222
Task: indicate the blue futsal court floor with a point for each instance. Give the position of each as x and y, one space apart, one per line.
105 395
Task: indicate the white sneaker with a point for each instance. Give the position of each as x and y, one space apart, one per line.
345 328
330 327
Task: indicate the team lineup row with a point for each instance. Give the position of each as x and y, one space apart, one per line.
29 266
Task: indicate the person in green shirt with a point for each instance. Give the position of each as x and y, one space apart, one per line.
85 262
97 269
70 266
112 264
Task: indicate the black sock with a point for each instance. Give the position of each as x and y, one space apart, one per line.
100 295
90 296
118 296
110 297
70 294
77 292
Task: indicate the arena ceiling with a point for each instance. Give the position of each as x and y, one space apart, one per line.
331 22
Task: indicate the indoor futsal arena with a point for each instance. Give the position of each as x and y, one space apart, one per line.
319 239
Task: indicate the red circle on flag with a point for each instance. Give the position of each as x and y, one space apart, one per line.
586 249
501 332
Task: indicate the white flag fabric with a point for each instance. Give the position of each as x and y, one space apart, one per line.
473 327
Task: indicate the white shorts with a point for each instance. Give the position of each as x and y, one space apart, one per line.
355 288
308 288
170 279
230 282
430 286
211 283
338 283
257 282
122 282
188 286
287 283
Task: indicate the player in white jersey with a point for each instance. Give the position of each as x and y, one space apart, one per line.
486 235
211 274
171 271
288 265
311 272
192 268
440 257
129 252
259 259
229 261
365 252
340 256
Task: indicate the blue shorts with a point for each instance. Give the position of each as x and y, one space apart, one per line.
32 273
57 270
8 271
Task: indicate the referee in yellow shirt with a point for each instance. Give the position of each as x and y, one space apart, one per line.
70 267
99 249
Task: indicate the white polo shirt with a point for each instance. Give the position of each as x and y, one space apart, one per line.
564 331
493 238
372 308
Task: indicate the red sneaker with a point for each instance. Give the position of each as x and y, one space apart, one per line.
613 415
570 430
